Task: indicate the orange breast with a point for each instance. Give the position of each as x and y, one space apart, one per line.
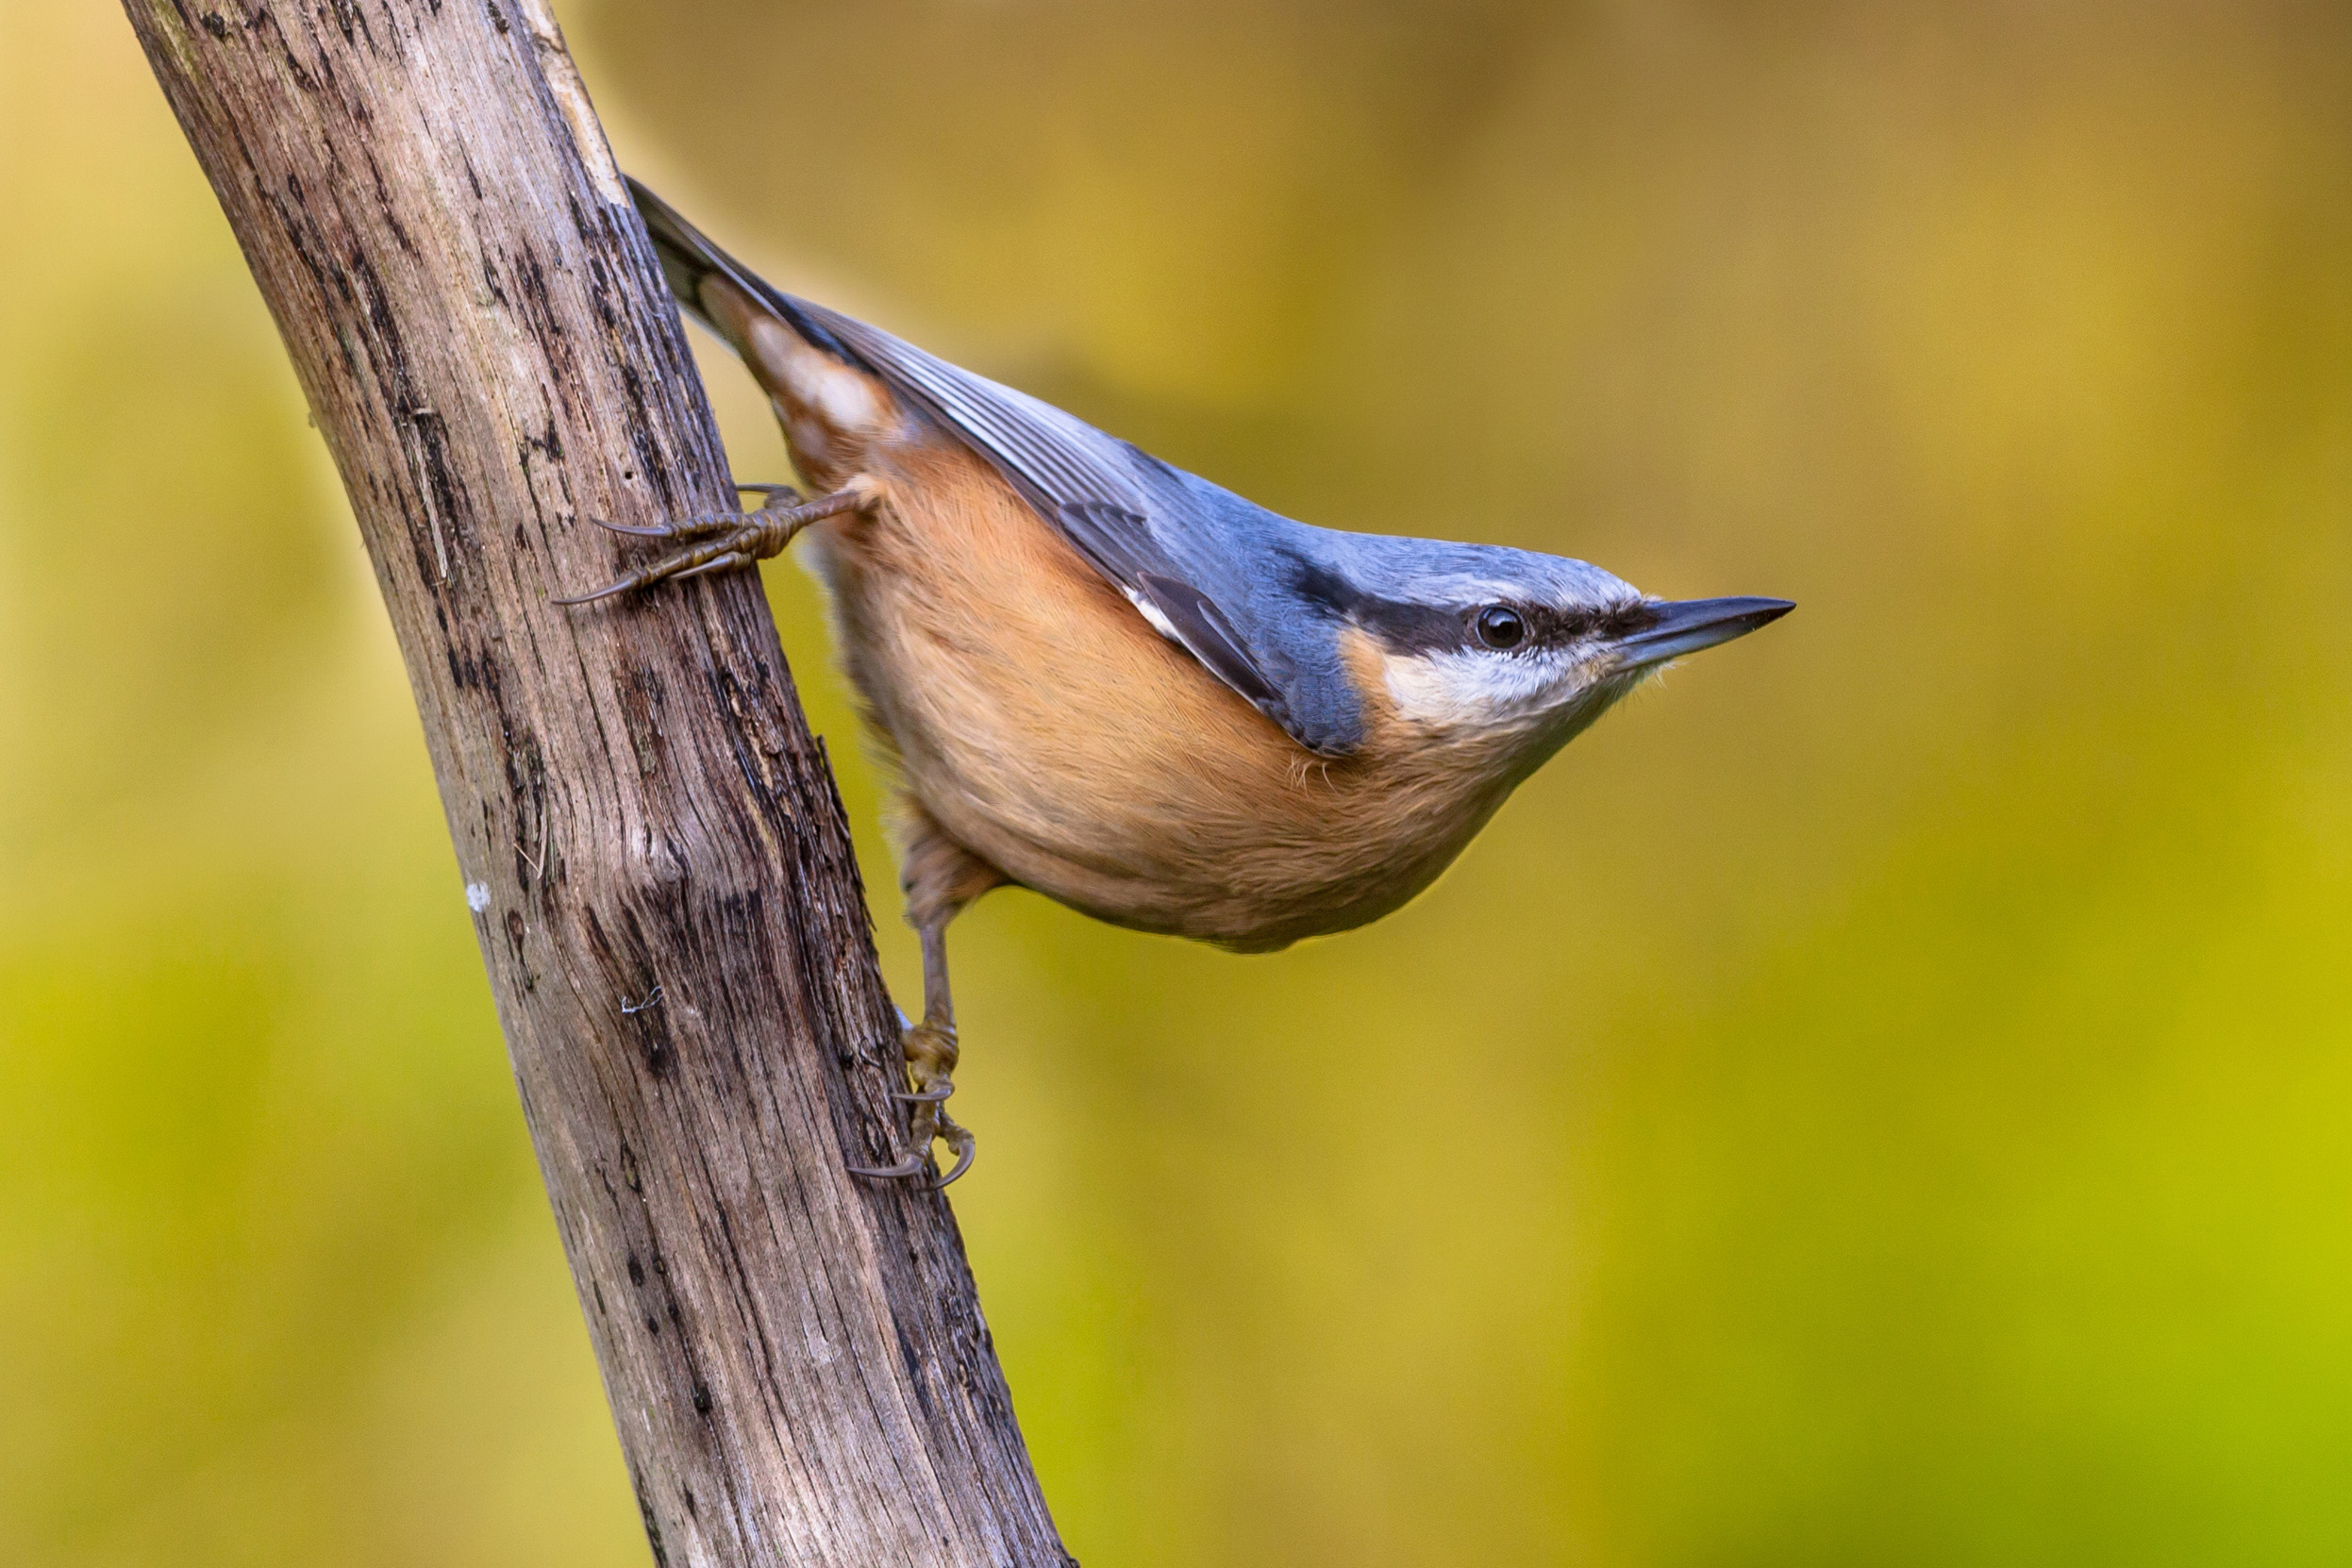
1046 726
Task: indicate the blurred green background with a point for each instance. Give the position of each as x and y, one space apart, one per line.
1882 1097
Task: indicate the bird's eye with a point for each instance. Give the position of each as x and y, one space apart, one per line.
1501 627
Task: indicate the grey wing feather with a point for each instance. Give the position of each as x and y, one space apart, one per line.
1133 519
1138 522
1201 627
1047 452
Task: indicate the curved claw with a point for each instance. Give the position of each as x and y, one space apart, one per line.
912 1165
605 593
771 492
967 1149
924 1096
660 530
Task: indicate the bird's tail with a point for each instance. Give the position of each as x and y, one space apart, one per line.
687 257
690 263
831 402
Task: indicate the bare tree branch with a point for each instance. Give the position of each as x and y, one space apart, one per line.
651 846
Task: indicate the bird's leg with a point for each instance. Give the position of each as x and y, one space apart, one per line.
931 1056
939 876
724 541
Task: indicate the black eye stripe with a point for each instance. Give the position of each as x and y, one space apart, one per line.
1408 628
1547 628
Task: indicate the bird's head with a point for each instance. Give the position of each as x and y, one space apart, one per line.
1507 650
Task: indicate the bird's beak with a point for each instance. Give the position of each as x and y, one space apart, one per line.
1686 625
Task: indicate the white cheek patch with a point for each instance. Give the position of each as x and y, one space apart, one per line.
1477 690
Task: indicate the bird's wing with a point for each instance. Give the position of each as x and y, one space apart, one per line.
1130 515
1124 511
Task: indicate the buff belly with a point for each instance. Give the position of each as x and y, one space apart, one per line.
1049 731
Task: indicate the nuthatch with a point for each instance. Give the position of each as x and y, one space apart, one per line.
1111 681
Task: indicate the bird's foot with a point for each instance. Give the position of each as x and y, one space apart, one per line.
720 541
931 1053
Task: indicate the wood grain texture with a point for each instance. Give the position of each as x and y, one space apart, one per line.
655 857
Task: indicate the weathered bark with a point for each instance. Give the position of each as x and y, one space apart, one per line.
649 840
